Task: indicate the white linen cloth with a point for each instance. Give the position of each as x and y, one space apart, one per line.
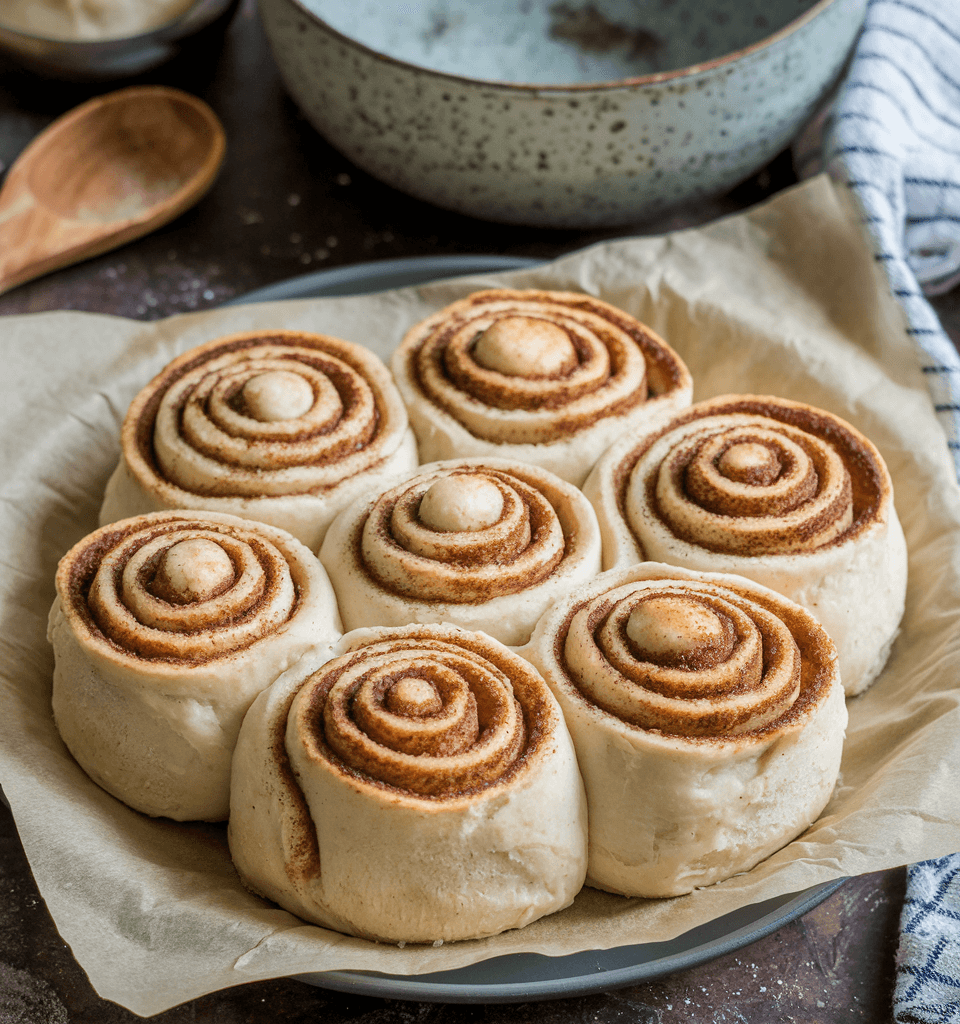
892 136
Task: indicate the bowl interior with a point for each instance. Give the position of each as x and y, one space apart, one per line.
557 42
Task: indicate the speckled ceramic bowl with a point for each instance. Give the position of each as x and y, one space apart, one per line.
565 113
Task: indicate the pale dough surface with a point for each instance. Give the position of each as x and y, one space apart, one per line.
670 813
160 736
389 864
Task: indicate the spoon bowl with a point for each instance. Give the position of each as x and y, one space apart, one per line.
108 171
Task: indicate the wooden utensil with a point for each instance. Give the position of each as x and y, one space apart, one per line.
108 171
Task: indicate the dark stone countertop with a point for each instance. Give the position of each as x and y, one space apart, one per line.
286 204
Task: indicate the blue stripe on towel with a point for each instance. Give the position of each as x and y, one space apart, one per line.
928 960
893 137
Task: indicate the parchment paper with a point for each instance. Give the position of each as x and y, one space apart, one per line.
784 299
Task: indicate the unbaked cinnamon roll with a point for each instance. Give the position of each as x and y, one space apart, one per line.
549 378
284 427
164 629
780 492
482 543
708 718
421 786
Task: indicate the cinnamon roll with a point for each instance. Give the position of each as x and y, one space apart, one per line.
780 492
708 718
482 543
420 786
284 427
164 629
549 378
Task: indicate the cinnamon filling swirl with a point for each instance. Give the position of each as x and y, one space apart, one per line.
684 657
266 414
466 534
178 589
753 477
531 367
429 717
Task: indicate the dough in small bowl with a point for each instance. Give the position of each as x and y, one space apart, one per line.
481 543
783 493
165 628
549 378
708 718
421 786
285 427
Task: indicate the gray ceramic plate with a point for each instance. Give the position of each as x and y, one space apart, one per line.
525 977
381 276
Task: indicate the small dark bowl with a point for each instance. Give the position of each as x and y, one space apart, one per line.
106 60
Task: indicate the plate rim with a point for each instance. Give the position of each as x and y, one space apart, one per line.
382 275
420 988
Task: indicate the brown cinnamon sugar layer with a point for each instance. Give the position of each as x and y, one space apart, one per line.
754 475
436 718
176 587
695 658
264 413
512 536
521 367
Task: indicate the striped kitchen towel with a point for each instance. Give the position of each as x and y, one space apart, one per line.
892 135
928 960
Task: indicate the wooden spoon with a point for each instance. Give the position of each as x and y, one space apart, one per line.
106 172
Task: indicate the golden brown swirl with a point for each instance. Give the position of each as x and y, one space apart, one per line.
755 476
465 533
185 588
264 413
436 713
532 367
687 657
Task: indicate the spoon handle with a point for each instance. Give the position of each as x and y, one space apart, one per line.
35 240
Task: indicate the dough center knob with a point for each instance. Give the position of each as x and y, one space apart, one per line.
749 462
461 502
674 627
524 346
194 570
413 698
277 395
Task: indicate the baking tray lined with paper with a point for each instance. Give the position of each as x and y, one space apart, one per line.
784 299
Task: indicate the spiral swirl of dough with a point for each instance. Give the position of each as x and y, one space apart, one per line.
416 784
708 716
182 588
687 658
266 414
747 485
482 543
534 367
429 714
283 427
788 495
511 538
165 628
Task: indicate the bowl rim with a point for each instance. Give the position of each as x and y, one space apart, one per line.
169 30
657 78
